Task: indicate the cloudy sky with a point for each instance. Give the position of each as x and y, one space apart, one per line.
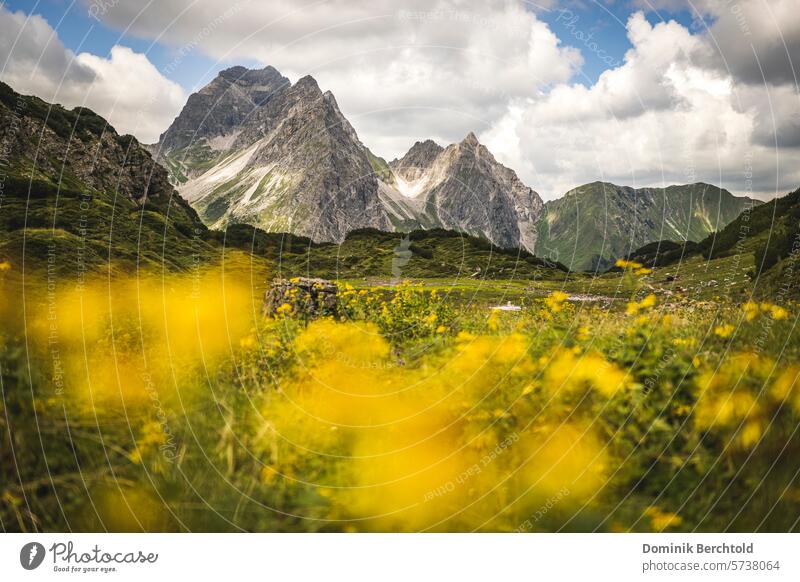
637 92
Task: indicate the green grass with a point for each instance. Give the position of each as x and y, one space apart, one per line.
616 406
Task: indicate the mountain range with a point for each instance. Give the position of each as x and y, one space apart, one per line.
80 200
253 148
78 196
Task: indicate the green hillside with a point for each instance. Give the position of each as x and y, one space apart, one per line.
760 242
103 202
594 224
375 254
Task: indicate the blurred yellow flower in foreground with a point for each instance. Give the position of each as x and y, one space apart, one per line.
555 301
753 309
646 303
724 330
570 372
661 520
777 312
787 387
624 264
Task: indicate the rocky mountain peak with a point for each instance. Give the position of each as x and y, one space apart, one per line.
221 106
285 158
418 159
427 148
471 140
462 187
280 156
244 76
307 83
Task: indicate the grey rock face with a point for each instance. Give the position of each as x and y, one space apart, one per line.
463 187
252 148
222 106
293 163
82 153
417 160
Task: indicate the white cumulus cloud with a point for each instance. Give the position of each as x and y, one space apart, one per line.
667 115
716 102
400 71
125 88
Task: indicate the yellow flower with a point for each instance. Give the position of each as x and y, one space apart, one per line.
643 271
661 520
787 387
555 301
750 433
648 301
622 263
778 313
267 475
5 266
12 499
569 372
441 329
724 402
284 309
431 318
724 330
751 310
696 362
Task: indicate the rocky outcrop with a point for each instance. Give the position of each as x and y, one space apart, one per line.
83 196
77 149
302 297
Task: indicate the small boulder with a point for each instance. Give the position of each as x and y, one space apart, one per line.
305 297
